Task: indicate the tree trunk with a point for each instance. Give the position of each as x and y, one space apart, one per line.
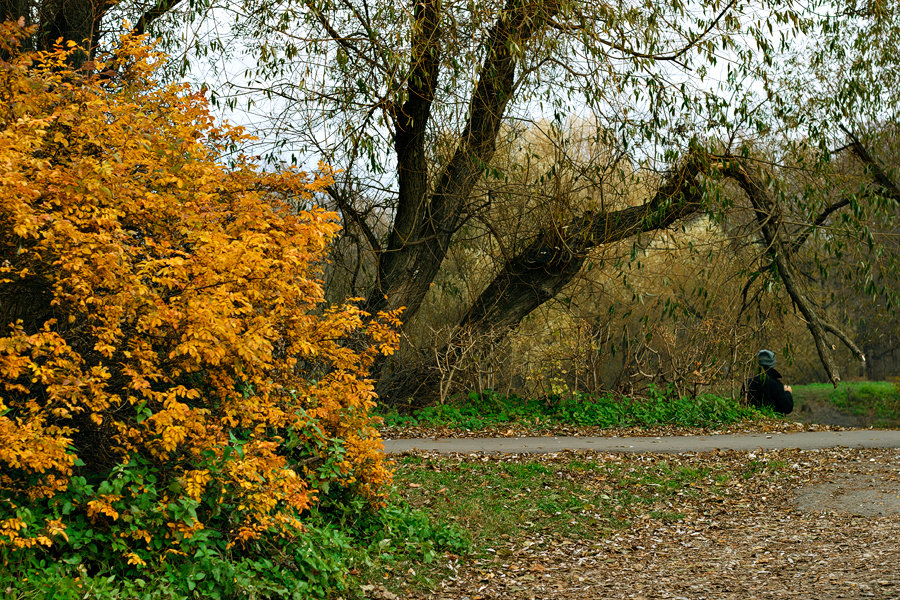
540 271
71 20
421 234
76 21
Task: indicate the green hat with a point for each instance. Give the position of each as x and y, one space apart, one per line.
766 359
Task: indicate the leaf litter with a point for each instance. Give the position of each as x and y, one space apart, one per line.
763 524
558 429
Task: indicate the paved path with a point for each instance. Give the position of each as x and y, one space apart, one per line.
808 440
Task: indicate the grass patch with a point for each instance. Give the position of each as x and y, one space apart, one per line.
502 502
875 400
490 410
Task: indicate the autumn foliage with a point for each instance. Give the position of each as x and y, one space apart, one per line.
168 368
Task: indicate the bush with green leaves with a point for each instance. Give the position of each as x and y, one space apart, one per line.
339 539
659 407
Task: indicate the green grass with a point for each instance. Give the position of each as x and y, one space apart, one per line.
491 410
876 400
498 501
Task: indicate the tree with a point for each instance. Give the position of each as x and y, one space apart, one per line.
169 374
412 101
390 81
380 99
831 121
85 22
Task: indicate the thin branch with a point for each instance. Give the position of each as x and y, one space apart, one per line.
845 339
673 56
356 217
334 34
819 221
878 172
493 230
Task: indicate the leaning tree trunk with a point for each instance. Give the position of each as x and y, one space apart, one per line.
540 271
781 252
430 211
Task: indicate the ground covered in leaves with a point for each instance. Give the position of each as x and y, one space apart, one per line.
518 430
726 524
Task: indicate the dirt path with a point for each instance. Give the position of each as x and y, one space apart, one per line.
808 440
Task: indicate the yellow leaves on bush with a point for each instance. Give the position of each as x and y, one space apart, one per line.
102 506
157 303
37 441
195 483
134 559
13 530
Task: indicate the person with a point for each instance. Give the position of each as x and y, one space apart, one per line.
766 389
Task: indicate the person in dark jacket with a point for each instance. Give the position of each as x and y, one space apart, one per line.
766 389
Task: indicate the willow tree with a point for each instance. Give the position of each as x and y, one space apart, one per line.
827 201
410 101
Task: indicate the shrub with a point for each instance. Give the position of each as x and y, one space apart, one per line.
171 382
660 407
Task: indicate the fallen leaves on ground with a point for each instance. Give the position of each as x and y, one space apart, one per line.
525 430
764 532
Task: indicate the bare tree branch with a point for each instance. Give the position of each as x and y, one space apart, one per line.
347 208
818 222
671 56
841 335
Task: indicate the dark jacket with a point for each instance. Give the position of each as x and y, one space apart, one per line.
767 390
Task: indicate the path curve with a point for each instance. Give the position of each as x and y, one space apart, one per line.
807 440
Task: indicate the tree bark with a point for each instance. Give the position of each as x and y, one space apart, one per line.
71 20
410 123
421 234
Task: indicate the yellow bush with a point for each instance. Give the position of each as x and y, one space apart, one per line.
162 307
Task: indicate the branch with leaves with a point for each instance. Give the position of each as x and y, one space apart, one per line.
779 249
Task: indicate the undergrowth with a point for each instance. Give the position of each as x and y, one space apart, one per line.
659 407
343 546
